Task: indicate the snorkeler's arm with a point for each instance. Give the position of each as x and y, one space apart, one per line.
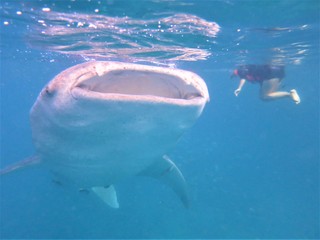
238 90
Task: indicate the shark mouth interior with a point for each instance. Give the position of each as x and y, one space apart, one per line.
135 82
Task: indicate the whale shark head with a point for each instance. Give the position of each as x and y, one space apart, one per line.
99 122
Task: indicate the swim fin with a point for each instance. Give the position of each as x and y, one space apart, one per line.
294 95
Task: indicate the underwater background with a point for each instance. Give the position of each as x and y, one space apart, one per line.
252 167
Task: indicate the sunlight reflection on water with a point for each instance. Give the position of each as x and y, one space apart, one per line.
176 37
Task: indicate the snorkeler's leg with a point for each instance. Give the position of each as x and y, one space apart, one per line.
269 91
275 95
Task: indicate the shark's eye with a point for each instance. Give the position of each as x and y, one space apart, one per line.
49 92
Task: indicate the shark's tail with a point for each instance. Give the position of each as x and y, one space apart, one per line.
30 161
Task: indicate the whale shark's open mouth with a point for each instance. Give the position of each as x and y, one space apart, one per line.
140 83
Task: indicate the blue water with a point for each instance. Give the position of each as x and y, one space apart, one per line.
252 167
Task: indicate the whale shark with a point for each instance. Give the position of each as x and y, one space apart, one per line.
99 122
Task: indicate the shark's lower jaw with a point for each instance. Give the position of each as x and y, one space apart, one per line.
137 84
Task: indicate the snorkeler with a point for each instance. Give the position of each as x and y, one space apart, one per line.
269 77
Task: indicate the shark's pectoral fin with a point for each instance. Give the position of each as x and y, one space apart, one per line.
30 161
108 195
166 171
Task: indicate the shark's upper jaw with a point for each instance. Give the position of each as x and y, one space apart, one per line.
137 84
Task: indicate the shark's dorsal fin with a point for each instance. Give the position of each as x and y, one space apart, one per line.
166 171
30 161
108 195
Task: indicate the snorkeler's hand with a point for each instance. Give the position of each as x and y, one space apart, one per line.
237 91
